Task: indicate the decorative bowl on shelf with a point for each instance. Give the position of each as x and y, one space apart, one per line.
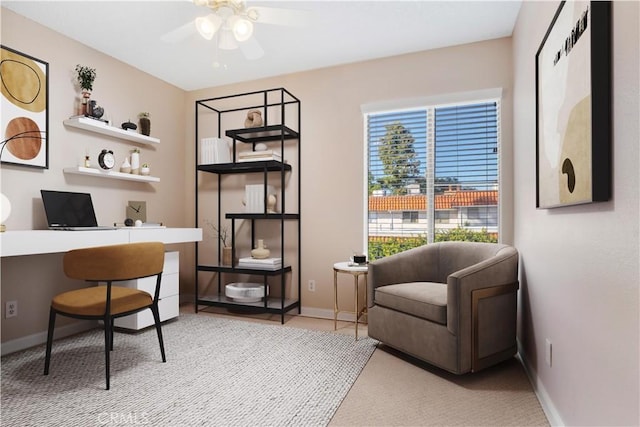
245 292
129 126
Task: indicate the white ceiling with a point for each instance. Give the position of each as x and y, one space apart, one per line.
337 32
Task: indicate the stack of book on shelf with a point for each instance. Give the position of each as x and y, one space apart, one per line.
262 264
214 150
259 156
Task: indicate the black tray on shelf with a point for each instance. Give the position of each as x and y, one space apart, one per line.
262 134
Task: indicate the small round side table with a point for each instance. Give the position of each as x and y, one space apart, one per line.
356 270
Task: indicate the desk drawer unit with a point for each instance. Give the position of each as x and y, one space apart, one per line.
169 295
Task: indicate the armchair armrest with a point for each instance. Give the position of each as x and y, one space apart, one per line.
501 269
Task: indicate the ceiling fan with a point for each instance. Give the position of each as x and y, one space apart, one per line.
231 22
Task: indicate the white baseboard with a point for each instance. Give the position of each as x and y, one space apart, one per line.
33 340
541 393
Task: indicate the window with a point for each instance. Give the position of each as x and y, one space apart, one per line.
438 166
410 217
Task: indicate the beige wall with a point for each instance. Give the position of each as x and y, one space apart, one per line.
580 264
333 142
123 91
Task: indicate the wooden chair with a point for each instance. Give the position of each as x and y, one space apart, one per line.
109 264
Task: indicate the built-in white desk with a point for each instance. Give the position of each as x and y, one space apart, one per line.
34 242
39 242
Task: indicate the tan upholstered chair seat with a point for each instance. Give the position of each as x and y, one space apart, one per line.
426 300
91 301
106 265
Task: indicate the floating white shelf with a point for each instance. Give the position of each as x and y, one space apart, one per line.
100 127
79 170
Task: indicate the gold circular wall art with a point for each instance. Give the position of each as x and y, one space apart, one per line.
23 82
27 140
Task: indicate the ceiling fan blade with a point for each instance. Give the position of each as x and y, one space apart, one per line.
251 49
179 34
278 16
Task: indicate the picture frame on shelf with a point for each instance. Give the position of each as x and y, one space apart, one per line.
25 109
573 107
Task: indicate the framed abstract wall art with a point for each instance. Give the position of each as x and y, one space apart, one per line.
25 104
573 106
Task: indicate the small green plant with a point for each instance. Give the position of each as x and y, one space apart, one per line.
86 77
144 115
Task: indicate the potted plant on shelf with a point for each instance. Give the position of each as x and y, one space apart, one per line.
85 76
145 123
222 233
145 170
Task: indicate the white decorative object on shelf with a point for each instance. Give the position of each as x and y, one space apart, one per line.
254 198
126 166
98 126
214 150
110 174
135 162
245 292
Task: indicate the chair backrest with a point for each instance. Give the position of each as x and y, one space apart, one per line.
454 256
115 262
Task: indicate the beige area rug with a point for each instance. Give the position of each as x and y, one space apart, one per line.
219 372
396 390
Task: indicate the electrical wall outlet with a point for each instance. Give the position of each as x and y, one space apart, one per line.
11 309
547 352
312 285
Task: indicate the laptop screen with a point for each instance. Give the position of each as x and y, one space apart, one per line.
67 209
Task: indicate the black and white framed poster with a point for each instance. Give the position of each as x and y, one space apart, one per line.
573 106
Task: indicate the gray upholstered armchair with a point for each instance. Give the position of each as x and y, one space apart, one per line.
451 304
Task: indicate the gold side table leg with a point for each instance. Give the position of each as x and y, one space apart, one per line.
355 278
365 310
335 300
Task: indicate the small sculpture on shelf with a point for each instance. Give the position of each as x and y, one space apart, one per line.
254 119
95 110
261 251
126 166
129 126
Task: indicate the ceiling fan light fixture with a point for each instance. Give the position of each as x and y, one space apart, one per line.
242 28
205 27
227 41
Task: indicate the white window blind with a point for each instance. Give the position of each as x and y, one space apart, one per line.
440 162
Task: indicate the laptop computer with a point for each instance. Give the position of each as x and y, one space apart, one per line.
70 211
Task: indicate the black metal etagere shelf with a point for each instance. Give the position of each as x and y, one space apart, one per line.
280 106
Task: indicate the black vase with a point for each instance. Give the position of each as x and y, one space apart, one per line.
145 126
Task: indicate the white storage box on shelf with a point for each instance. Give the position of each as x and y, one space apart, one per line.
245 292
254 197
169 303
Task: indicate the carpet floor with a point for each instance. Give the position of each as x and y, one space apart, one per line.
219 371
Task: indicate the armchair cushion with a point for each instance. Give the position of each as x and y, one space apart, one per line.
427 300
